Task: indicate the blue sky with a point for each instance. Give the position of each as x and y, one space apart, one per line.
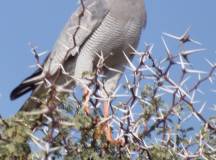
40 22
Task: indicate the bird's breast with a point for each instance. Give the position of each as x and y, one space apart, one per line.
113 36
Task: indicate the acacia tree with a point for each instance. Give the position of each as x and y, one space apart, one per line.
155 113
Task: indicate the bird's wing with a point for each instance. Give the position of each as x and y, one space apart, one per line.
76 32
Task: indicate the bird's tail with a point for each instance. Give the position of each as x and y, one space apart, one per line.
31 83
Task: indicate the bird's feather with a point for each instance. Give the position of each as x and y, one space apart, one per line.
76 32
79 27
25 85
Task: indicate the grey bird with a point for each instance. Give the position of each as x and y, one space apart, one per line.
110 27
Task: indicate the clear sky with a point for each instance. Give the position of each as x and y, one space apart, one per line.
40 22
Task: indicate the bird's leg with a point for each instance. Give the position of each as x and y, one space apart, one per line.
106 109
86 97
107 129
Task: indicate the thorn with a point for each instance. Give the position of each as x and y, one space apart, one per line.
63 70
37 112
182 63
169 55
211 64
185 37
49 84
202 107
135 52
195 71
129 62
113 69
189 52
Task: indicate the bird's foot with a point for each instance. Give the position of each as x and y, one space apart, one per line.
108 133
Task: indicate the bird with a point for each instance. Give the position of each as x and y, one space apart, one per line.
110 28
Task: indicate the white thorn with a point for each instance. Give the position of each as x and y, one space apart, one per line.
129 62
